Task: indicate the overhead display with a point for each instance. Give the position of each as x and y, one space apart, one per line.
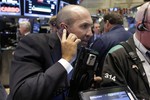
62 4
10 7
40 8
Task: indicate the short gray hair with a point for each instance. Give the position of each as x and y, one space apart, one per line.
25 24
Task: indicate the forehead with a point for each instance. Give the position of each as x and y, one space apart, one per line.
96 24
85 19
83 22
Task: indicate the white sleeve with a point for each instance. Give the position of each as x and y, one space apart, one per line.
66 65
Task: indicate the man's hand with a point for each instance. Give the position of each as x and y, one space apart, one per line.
97 81
69 45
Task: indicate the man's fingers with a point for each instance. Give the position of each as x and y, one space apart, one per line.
71 37
97 78
77 41
64 34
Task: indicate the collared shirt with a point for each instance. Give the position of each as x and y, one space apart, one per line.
96 36
141 52
26 33
66 65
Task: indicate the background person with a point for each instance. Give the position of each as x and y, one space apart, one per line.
120 69
52 24
96 33
114 33
24 28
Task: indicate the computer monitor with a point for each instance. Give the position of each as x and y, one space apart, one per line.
73 1
10 7
40 8
62 4
36 27
108 93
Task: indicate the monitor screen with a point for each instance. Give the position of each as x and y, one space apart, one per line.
62 4
36 27
10 7
40 8
73 1
121 95
108 93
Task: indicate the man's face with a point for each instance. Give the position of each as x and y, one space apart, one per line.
53 29
143 16
145 36
96 28
21 30
82 28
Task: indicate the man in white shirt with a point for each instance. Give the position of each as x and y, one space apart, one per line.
131 68
42 63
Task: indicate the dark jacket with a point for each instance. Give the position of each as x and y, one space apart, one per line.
103 44
118 70
3 94
35 73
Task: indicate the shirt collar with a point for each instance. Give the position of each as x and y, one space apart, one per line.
26 33
115 27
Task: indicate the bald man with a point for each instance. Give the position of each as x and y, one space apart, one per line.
42 63
122 70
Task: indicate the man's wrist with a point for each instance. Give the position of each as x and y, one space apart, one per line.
66 65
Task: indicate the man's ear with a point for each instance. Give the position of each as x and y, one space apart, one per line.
63 26
137 23
107 23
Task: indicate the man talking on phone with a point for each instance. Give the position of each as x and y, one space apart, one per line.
42 62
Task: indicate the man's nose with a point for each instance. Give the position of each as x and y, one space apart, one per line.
89 32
